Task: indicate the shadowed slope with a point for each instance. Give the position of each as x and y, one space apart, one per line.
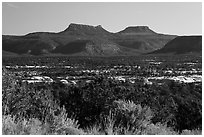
182 44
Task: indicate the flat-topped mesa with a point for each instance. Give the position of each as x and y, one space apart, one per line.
82 27
79 26
88 30
138 29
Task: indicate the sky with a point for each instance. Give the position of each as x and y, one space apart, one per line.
179 18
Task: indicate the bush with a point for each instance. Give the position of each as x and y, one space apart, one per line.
127 118
21 127
158 129
60 125
191 132
8 88
132 115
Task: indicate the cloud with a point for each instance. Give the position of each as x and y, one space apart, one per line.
11 5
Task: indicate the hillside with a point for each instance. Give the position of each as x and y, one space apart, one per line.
79 39
182 45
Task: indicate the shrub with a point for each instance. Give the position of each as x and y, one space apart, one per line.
60 125
21 127
191 132
94 130
127 118
125 115
135 116
158 129
8 88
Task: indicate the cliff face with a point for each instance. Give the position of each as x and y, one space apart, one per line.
79 39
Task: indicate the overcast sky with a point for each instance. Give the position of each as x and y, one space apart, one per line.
169 18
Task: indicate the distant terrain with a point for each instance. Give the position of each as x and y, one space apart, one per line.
86 40
182 45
